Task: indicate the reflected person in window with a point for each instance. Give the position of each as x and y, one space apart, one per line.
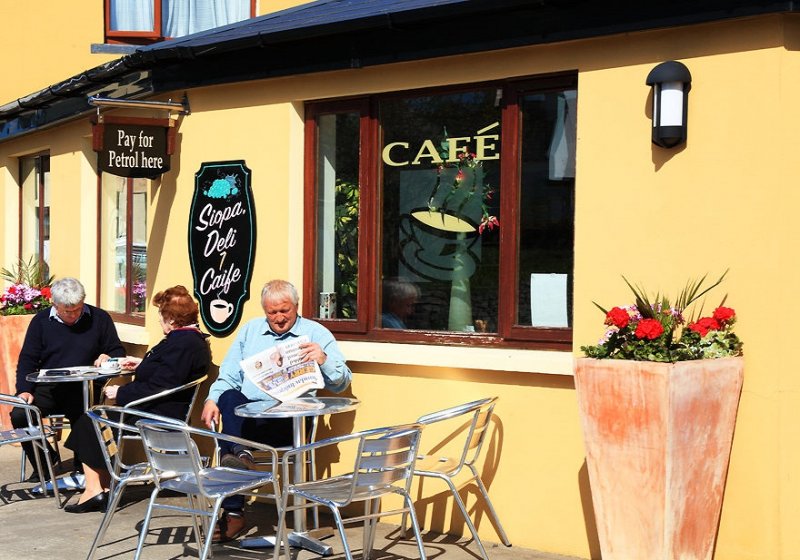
70 333
231 389
399 298
182 355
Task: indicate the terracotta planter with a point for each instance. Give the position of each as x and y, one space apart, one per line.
12 334
658 440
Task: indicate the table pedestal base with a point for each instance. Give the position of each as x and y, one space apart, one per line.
73 481
307 540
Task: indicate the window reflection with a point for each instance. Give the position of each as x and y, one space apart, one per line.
437 192
123 243
337 208
547 187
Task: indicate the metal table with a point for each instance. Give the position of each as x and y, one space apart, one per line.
297 409
86 375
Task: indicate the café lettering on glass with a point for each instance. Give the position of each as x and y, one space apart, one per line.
222 239
130 147
396 154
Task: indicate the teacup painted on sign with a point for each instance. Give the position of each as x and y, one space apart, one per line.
220 310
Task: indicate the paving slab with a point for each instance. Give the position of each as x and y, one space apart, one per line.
33 528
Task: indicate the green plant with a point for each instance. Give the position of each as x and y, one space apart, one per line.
467 182
346 231
31 273
657 330
29 291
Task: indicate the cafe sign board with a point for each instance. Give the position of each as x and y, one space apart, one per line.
134 147
222 242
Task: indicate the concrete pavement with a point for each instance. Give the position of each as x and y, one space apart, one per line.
34 528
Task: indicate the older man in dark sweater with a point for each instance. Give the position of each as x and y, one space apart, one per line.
71 333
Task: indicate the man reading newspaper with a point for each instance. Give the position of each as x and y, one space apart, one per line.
282 371
303 341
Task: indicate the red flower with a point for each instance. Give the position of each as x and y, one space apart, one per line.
724 314
703 325
46 292
28 306
617 317
649 328
12 289
488 222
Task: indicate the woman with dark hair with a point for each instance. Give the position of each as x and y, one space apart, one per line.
182 356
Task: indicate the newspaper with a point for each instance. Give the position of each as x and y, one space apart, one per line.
279 372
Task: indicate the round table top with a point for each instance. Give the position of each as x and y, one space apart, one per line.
77 373
303 406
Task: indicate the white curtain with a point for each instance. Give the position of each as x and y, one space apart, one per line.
131 15
562 145
182 17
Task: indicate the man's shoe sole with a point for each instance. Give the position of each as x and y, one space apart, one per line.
233 462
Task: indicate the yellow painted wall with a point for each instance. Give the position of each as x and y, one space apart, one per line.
47 43
51 42
269 6
725 200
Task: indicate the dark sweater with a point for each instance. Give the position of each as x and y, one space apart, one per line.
49 343
182 356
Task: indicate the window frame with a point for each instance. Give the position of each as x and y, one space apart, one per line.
365 215
128 316
365 326
143 37
38 158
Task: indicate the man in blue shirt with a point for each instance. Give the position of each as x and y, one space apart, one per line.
232 388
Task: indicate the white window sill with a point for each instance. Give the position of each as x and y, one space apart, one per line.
495 359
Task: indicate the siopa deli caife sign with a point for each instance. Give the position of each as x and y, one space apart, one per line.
130 147
222 242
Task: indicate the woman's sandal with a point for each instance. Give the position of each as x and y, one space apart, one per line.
230 526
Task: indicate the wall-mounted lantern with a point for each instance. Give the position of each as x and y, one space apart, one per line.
671 82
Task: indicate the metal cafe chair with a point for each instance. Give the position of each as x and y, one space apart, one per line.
56 423
112 445
193 384
36 433
383 464
310 461
110 430
177 466
135 405
478 415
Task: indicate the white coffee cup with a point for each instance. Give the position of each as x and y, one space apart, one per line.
110 365
220 310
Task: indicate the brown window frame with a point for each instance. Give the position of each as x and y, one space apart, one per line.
40 171
364 327
143 37
129 316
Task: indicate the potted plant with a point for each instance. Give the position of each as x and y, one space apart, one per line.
27 292
658 397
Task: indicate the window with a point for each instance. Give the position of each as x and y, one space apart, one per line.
34 234
444 216
123 246
142 21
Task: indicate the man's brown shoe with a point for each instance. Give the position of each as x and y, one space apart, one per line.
229 527
243 461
